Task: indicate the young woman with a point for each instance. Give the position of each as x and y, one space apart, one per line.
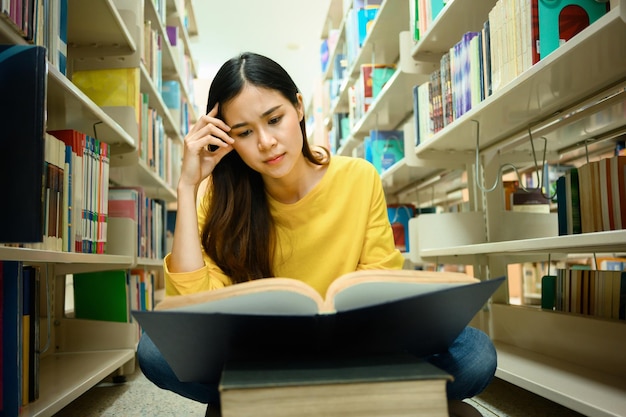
275 207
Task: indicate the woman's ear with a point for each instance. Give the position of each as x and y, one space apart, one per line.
300 107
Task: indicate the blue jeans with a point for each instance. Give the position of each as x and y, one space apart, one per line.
471 360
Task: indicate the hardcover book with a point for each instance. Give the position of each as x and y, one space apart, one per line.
379 385
24 74
420 312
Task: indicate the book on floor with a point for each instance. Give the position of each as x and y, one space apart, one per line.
420 312
377 385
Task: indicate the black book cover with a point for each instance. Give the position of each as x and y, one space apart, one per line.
197 345
23 75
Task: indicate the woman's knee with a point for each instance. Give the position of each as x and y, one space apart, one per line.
150 360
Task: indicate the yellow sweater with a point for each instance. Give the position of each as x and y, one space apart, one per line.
340 226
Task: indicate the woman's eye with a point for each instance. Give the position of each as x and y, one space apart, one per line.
275 120
244 133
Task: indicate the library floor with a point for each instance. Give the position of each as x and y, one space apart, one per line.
138 397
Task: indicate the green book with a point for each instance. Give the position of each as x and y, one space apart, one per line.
101 296
548 292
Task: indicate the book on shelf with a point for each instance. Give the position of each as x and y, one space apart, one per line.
588 292
102 295
377 385
561 208
602 194
27 317
57 33
365 15
558 24
76 141
606 196
420 312
532 201
30 334
610 263
618 189
11 284
387 148
32 275
446 89
572 202
54 176
434 97
112 87
23 72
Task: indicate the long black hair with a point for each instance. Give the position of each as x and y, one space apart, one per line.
239 234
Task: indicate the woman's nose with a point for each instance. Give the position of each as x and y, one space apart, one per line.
266 140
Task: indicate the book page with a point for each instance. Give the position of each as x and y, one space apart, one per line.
275 296
366 288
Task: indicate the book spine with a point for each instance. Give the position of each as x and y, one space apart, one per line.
12 359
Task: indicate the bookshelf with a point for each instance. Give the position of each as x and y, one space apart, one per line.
83 352
575 98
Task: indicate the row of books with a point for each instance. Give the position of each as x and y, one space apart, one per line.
109 296
152 54
148 216
359 17
524 32
458 85
384 148
588 292
422 13
120 88
20 315
152 57
339 132
592 197
484 61
179 108
41 23
74 194
77 200
158 150
358 23
182 60
363 93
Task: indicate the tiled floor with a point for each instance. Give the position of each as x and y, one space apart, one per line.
140 398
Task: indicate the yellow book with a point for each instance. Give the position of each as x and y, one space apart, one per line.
111 87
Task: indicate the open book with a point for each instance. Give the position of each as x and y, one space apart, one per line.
420 312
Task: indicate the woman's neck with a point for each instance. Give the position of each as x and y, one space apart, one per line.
293 187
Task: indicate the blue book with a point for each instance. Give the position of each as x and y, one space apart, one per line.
171 94
69 172
12 287
23 74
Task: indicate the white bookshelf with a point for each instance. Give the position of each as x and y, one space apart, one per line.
548 87
456 18
575 95
105 35
600 242
81 353
66 376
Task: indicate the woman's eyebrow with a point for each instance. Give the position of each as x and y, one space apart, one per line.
266 113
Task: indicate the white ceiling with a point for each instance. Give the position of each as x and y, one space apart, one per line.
288 31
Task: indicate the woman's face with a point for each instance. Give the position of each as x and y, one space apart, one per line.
266 129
